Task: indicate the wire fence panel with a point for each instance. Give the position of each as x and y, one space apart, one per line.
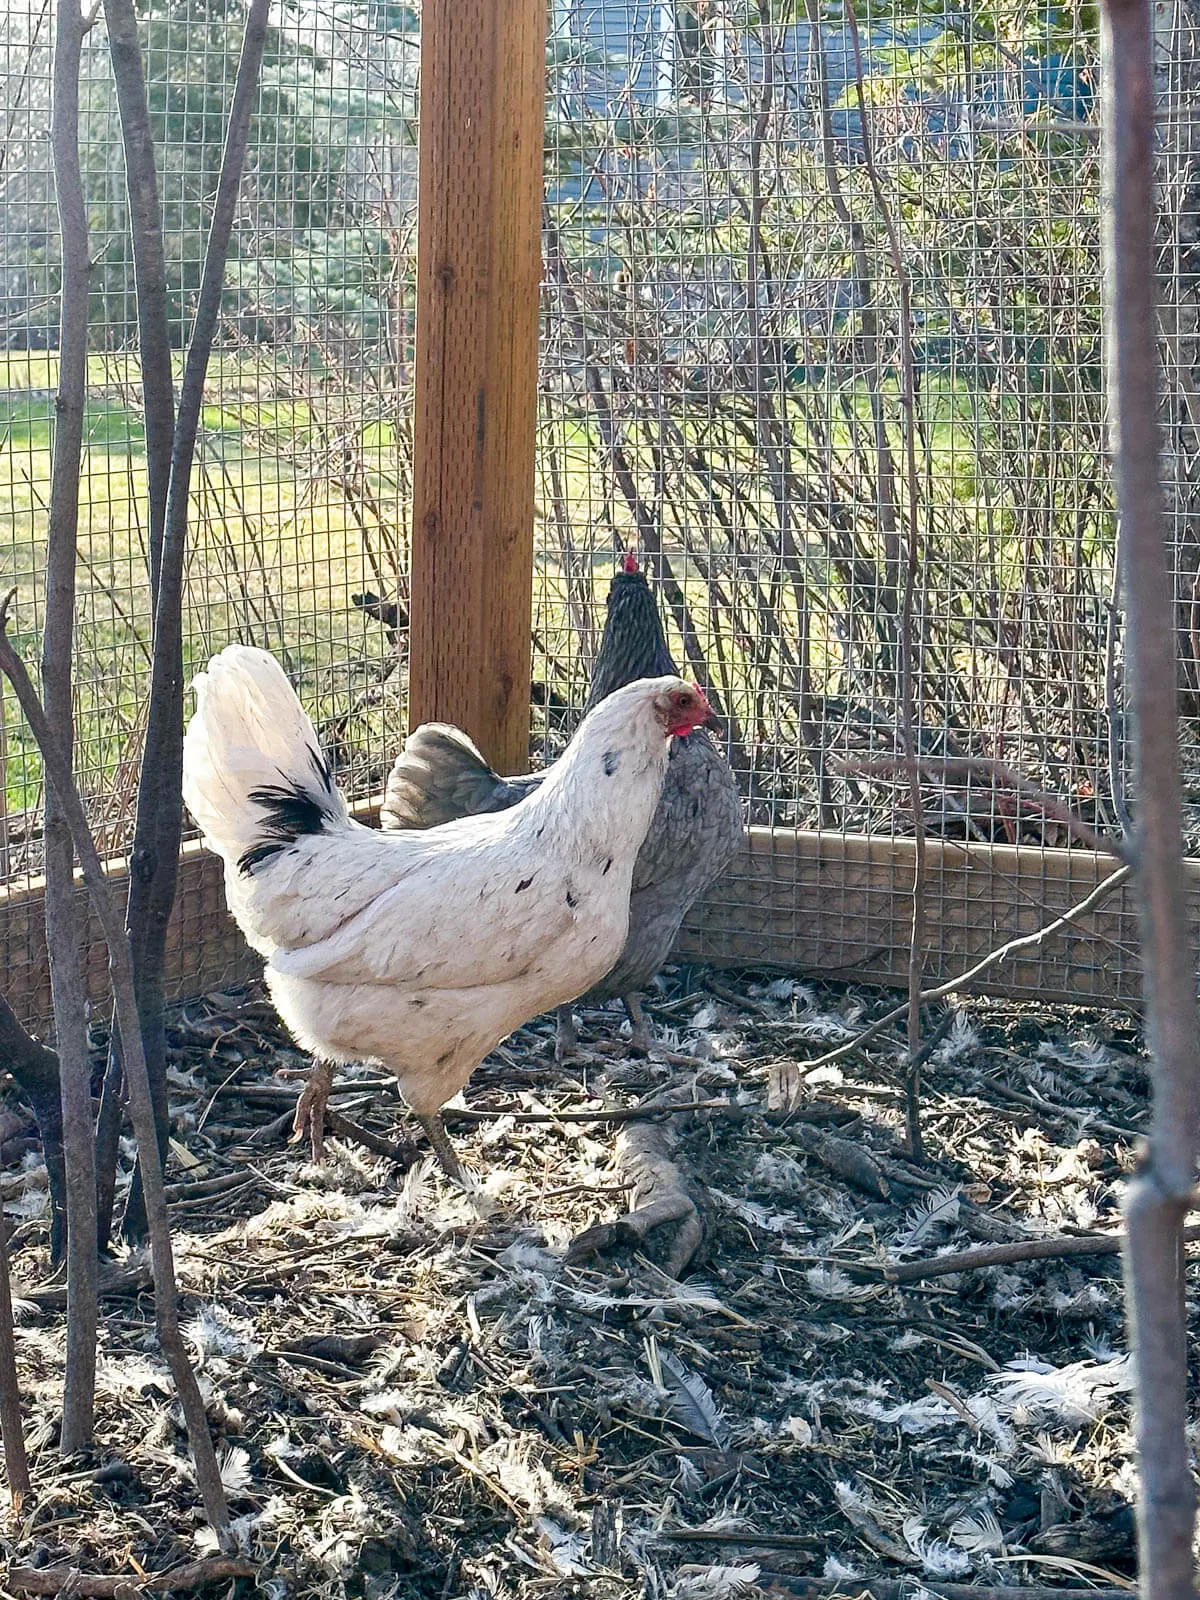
301 490
821 342
823 317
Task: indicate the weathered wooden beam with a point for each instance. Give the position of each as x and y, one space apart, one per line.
478 277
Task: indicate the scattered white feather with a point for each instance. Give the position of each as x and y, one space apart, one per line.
986 1413
691 1400
939 1209
131 1376
566 1547
979 1532
242 1530
915 1417
524 1478
715 1582
215 1332
831 1283
961 1041
787 989
1035 1391
234 1467
938 1558
838 1571
755 1215
772 1171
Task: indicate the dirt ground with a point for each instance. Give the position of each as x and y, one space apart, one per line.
416 1400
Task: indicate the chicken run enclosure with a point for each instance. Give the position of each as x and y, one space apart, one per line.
819 339
799 309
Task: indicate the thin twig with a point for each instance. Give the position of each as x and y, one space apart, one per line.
166 1300
647 1113
100 1586
901 1589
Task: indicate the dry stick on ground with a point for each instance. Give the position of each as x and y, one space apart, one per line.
1000 1255
64 921
104 902
178 1580
16 1463
160 788
902 1589
785 1093
908 702
1160 1194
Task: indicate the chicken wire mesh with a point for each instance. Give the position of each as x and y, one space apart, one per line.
821 329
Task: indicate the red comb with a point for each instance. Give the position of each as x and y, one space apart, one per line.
629 564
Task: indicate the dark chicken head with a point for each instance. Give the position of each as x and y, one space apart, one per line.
634 645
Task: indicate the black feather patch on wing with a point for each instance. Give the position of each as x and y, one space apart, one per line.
290 811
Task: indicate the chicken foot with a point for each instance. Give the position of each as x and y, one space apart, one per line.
311 1108
566 1035
661 1195
641 1039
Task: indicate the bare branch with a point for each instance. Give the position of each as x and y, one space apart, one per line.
16 1463
1160 1194
100 1586
64 925
160 806
104 901
1000 1255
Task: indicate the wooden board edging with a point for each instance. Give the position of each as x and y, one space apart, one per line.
800 902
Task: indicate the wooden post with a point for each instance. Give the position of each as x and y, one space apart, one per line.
478 276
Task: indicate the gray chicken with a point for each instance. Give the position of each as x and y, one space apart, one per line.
441 776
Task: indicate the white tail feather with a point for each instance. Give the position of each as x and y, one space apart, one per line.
250 735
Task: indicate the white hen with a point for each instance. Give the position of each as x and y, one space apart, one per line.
421 950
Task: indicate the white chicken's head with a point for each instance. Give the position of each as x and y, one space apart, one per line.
682 708
676 708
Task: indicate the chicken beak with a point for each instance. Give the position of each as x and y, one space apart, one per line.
714 722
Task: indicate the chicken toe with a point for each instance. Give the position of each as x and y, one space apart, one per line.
310 1109
435 1131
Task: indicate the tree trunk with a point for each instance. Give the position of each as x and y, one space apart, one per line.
1177 75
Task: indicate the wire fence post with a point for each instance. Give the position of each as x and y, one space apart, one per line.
478 275
1161 1192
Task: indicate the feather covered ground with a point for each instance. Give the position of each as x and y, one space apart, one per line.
414 1400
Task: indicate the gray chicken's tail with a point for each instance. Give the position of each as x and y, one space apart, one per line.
440 776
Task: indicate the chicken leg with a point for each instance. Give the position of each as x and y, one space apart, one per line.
641 1039
435 1131
310 1119
311 1107
566 1035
